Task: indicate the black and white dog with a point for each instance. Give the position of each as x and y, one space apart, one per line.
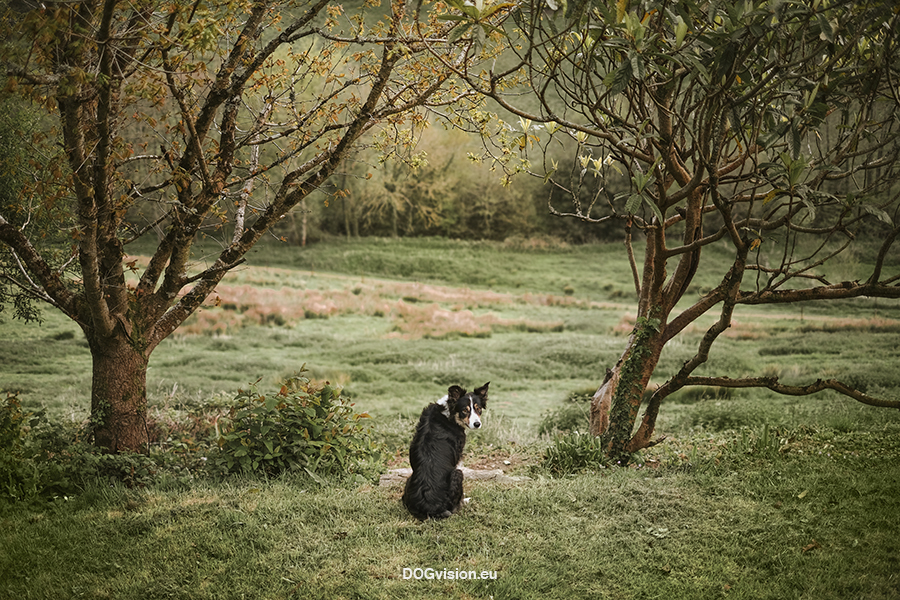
435 488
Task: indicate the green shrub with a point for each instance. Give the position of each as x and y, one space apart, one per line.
82 463
301 427
31 466
566 418
574 453
40 460
16 475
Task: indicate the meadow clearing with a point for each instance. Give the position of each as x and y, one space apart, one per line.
752 495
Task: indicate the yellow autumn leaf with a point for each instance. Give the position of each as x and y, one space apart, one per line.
621 9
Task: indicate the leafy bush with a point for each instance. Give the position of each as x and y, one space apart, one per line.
83 463
40 460
35 455
16 475
574 453
302 427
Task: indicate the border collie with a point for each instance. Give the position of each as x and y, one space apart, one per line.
435 488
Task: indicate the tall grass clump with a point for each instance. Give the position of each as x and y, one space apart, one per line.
765 442
572 453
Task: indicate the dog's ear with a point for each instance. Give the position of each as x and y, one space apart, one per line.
482 391
455 392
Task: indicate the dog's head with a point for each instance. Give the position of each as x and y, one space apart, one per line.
465 408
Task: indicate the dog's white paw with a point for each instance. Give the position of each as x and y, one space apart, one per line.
466 500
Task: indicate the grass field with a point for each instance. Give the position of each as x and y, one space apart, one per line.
751 496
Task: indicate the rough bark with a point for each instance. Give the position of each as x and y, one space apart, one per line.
118 394
615 405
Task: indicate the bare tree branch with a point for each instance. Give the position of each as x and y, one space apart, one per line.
773 384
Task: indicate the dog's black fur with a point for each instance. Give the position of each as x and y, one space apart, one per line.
435 488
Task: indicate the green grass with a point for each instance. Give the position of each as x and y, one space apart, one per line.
552 343
797 526
752 495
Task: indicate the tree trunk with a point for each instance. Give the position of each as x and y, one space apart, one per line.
119 395
615 405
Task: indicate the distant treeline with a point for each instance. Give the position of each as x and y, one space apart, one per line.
443 193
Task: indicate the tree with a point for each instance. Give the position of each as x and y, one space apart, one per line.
772 125
172 120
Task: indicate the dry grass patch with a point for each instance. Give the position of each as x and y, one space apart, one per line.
417 310
873 325
413 321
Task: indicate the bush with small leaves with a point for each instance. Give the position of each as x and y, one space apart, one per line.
42 460
17 476
302 427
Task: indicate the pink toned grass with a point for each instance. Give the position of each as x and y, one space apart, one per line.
417 310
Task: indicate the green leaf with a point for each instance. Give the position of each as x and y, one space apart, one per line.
618 80
810 206
827 31
656 210
458 32
621 10
637 66
480 37
698 67
725 60
794 140
496 8
633 203
471 11
878 212
642 181
681 30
